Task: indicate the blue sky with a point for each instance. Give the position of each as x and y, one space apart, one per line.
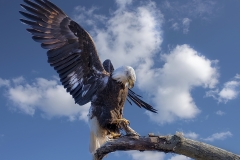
186 57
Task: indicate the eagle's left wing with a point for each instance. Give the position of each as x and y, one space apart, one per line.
71 50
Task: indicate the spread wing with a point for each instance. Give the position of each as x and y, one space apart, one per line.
131 95
71 50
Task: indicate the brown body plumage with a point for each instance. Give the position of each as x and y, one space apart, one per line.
106 108
113 96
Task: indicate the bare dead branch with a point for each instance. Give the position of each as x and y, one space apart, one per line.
170 143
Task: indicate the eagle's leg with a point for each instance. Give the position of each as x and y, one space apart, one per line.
129 131
124 124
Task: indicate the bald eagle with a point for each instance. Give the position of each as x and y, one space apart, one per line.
72 53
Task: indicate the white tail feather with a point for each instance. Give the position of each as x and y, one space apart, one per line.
98 136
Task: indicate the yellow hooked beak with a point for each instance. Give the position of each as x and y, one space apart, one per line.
130 84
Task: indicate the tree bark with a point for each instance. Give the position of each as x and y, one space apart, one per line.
170 143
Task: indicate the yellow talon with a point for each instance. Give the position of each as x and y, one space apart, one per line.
122 120
113 135
126 121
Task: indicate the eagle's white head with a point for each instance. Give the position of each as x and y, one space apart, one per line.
125 75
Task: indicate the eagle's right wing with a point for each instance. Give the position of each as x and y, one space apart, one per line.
71 50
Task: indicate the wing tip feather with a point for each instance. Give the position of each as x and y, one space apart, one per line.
140 103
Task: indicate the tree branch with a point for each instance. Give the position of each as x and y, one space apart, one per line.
170 143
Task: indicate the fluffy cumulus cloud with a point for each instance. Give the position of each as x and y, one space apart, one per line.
133 36
229 91
136 155
218 136
44 95
171 85
130 35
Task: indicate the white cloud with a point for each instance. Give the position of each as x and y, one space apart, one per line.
220 113
45 95
179 157
133 37
4 82
171 85
229 91
218 136
186 24
129 36
213 137
146 155
191 135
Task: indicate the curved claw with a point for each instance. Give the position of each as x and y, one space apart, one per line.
122 120
132 134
